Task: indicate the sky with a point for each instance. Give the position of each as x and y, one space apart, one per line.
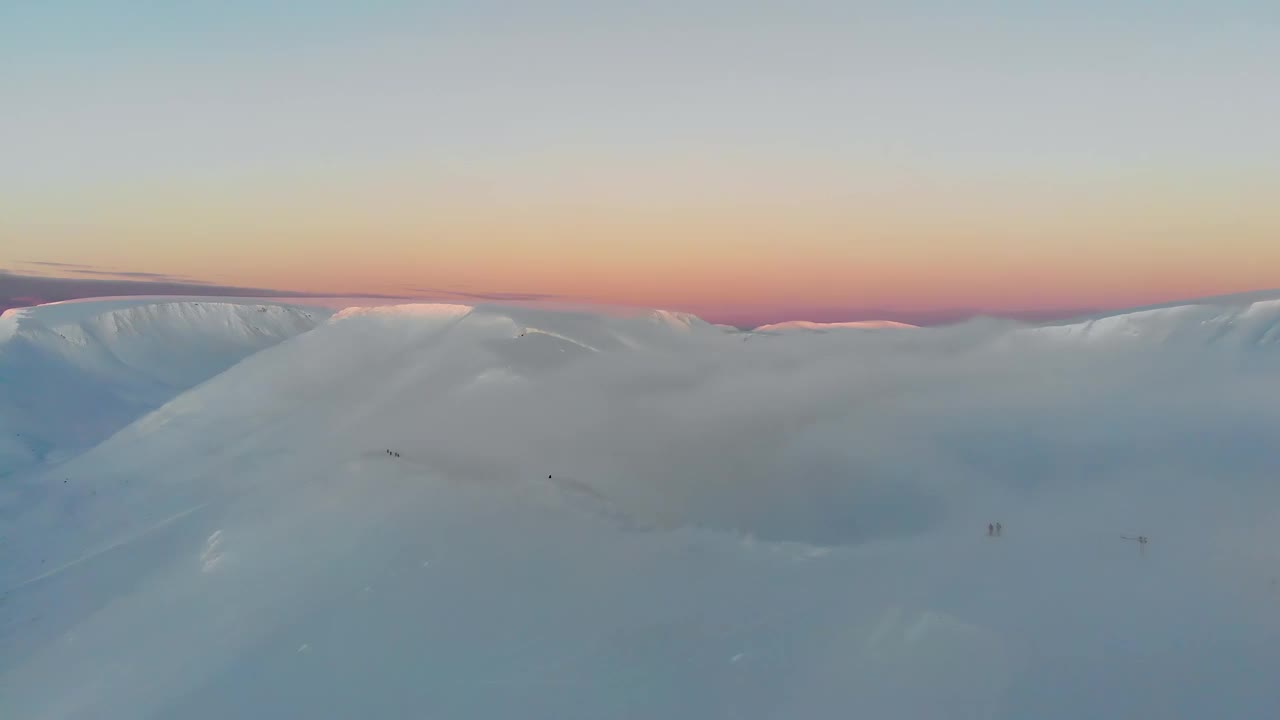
749 162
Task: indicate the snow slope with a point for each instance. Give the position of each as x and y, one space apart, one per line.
1241 325
649 517
822 327
73 373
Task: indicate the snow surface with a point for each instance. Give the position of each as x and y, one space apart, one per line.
822 327
611 517
1250 324
73 373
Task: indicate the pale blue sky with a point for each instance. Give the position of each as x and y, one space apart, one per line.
880 84
262 117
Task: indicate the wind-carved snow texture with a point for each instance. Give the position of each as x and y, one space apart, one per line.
212 555
457 512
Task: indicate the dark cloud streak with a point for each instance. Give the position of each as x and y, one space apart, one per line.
497 296
21 290
65 266
106 272
159 277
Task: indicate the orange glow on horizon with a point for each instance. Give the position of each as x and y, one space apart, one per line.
915 252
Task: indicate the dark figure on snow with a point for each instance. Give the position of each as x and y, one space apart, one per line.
999 529
1142 542
991 530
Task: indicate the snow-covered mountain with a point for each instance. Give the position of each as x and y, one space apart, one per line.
823 327
1253 323
454 511
73 373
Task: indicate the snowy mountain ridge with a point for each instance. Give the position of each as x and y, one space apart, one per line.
72 373
123 355
824 326
1249 323
489 512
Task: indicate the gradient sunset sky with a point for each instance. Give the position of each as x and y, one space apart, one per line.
744 161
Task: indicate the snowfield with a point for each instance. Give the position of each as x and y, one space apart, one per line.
73 373
430 511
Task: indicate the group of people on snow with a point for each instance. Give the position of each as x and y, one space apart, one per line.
393 453
997 530
1142 541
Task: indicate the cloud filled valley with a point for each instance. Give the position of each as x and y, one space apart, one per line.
635 515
